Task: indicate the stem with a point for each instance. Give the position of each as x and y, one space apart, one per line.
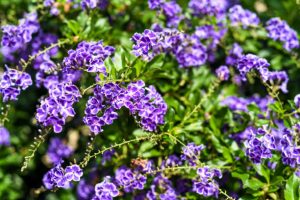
25 64
100 152
211 90
36 144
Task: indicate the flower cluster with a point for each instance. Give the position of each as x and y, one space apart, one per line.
251 62
223 73
259 148
235 53
90 55
171 161
85 190
212 34
240 16
279 30
144 103
277 79
191 153
55 109
208 7
241 104
170 9
151 43
15 37
155 4
130 180
105 190
92 4
60 177
43 63
4 137
206 185
57 151
12 82
191 52
159 184
107 156
187 49
262 144
172 12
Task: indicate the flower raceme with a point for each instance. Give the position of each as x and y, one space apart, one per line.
144 103
279 30
57 151
55 108
62 178
16 37
12 82
89 55
240 16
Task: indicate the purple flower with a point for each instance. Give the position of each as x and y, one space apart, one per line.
251 62
155 4
272 165
144 44
297 100
172 11
240 16
235 54
12 82
164 187
73 173
57 151
241 104
223 73
297 172
48 3
206 185
4 137
172 161
144 103
85 191
169 194
279 30
55 109
88 56
18 35
107 155
43 62
55 177
277 79
191 153
190 52
106 190
259 147
208 7
60 177
211 35
92 4
130 180
152 43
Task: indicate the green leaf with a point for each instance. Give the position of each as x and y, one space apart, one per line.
254 184
253 108
291 191
263 171
145 146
